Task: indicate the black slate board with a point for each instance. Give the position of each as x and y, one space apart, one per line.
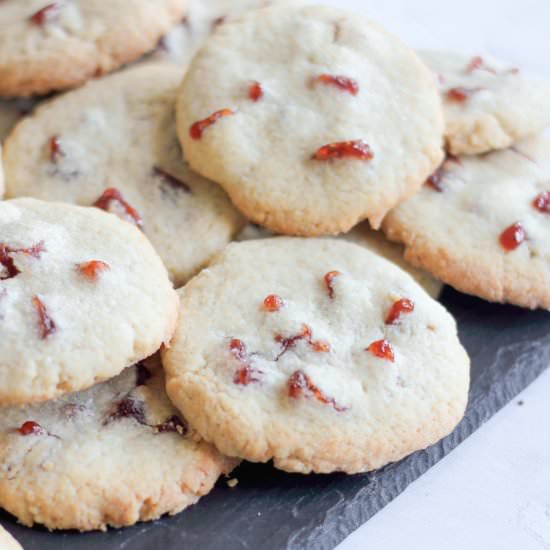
509 348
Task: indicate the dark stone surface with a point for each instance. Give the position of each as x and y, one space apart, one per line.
509 348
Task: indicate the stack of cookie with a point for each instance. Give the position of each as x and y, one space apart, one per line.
320 354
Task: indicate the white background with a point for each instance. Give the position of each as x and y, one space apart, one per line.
493 492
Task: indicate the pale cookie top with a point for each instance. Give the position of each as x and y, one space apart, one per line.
82 296
298 113
113 455
487 105
113 143
7 542
375 241
481 224
47 46
319 355
203 17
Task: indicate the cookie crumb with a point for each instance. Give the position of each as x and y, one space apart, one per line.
232 482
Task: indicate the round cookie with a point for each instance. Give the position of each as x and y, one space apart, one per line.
372 240
46 46
204 16
7 542
481 224
302 118
112 455
82 296
487 105
119 133
312 357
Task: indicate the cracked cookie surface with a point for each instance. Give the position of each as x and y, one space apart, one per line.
112 455
319 355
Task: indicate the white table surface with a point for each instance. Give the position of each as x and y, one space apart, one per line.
493 491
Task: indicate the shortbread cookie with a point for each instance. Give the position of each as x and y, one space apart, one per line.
375 242
113 455
319 355
298 112
113 143
82 296
47 46
7 542
481 224
487 104
204 17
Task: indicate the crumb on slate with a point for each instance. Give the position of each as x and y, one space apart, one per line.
232 482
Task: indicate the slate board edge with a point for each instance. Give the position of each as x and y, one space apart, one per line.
344 518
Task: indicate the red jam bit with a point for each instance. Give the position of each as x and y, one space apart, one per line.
354 149
342 82
127 408
46 14
382 349
404 306
512 237
477 63
245 374
300 384
460 94
273 303
8 263
199 127
46 323
56 149
542 202
255 91
30 427
329 277
318 346
170 179
112 200
10 269
174 424
92 269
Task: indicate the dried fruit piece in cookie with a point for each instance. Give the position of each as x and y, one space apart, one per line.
48 46
486 231
60 311
146 462
487 105
333 386
56 155
292 160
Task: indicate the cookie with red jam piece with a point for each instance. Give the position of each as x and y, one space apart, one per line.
481 224
302 119
113 144
112 455
82 296
47 46
488 105
319 355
